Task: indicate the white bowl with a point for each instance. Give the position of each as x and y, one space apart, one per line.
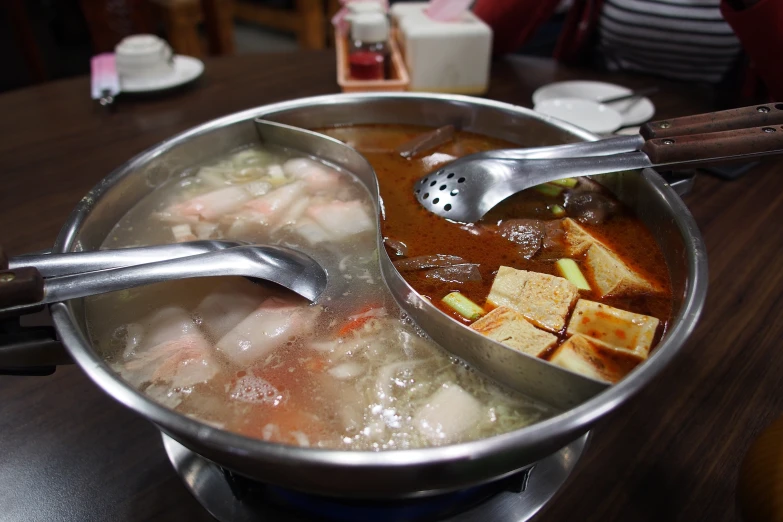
143 56
633 112
587 114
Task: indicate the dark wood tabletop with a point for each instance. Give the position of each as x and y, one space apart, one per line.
68 452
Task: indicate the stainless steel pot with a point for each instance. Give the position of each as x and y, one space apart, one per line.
392 473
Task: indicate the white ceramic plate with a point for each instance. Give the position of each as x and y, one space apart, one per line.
587 114
633 112
186 69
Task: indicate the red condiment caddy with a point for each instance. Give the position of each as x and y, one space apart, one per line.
397 80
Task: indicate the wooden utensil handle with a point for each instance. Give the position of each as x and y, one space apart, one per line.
715 145
742 118
20 286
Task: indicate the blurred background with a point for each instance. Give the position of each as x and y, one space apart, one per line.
46 40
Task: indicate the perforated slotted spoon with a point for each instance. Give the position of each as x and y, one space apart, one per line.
466 189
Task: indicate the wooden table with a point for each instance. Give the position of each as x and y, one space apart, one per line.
68 452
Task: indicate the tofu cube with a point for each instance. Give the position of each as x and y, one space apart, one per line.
448 414
610 274
512 329
577 239
615 327
543 299
595 359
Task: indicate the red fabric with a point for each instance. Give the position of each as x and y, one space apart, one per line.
760 29
513 22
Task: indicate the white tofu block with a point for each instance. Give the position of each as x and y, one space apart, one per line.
615 327
448 413
269 208
591 357
612 276
509 327
444 56
543 299
609 273
577 239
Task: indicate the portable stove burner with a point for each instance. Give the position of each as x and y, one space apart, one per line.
231 498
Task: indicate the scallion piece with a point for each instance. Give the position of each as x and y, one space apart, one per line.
557 210
548 189
463 306
570 270
566 182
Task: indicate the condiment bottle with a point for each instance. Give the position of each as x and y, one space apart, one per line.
369 56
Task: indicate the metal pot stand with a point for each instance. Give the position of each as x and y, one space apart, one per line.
232 498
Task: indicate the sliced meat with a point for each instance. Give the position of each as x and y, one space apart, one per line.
462 273
430 261
527 233
274 323
554 235
395 248
311 231
427 141
227 305
317 176
587 185
532 235
590 207
209 206
167 324
269 208
170 354
341 219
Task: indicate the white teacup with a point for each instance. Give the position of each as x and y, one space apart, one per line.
144 56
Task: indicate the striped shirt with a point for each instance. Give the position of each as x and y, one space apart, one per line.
678 39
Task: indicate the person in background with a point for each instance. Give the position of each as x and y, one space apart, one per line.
690 40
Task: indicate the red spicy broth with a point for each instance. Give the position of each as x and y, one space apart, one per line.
423 233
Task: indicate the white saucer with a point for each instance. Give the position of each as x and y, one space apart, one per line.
587 114
633 112
186 69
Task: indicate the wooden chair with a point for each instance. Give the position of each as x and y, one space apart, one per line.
307 20
109 21
112 20
25 39
181 19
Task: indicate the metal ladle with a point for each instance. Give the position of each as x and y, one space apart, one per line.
24 287
53 265
466 189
